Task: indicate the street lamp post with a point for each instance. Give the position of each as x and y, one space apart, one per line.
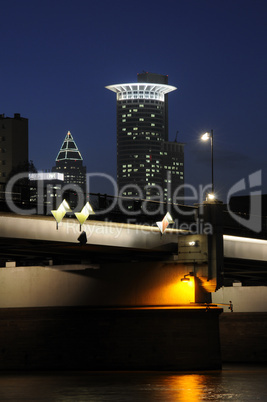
206 137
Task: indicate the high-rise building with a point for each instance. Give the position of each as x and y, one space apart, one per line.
45 191
148 165
13 145
158 79
69 161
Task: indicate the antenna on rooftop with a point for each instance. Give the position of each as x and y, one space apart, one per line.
176 136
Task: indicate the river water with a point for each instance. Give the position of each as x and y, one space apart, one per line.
232 383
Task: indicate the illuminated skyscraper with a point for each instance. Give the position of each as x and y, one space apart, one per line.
146 160
69 161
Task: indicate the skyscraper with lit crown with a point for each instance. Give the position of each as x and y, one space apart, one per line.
146 160
69 161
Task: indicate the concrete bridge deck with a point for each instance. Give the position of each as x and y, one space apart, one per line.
38 236
105 235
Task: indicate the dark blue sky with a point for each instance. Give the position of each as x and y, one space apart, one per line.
57 56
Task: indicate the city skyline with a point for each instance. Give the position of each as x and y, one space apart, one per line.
57 61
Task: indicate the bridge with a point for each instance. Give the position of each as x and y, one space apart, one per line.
129 294
36 240
112 248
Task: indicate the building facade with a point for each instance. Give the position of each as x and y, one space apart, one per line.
148 165
172 170
13 145
45 191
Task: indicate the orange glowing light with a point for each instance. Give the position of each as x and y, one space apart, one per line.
188 387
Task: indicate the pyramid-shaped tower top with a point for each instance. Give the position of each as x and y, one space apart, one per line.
69 150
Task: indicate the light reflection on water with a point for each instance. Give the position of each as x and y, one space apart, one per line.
233 383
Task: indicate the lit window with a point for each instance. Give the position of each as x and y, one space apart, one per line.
152 124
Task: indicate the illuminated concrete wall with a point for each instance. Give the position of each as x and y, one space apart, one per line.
125 284
244 299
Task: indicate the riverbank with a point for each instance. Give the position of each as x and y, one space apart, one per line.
243 337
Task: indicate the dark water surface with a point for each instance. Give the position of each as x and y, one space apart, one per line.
233 383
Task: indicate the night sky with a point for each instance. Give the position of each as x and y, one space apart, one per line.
57 56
